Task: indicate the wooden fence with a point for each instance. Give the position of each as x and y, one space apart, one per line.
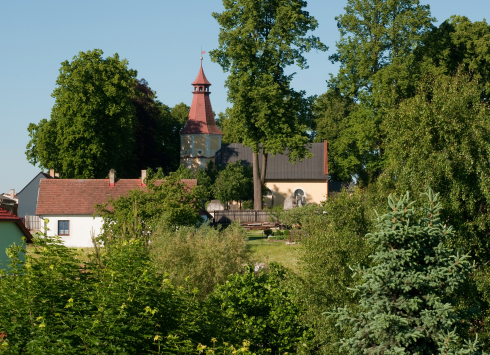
248 216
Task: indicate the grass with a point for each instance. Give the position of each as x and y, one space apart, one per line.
267 251
262 251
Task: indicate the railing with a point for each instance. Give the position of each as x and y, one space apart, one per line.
248 216
32 223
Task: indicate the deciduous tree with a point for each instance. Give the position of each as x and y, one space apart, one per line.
258 40
91 129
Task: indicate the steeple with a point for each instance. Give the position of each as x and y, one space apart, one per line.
201 138
201 117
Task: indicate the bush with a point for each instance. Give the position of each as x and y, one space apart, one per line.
259 307
248 205
61 305
299 216
200 257
268 232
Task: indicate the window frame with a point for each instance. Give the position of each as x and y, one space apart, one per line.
64 230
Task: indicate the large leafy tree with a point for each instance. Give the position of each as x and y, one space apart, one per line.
406 295
330 113
156 131
440 138
91 129
258 40
457 45
375 53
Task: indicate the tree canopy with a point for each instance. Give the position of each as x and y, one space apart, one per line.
257 41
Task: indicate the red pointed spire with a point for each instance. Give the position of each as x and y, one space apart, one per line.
201 116
201 78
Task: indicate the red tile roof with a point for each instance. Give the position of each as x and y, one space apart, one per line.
9 217
201 78
79 196
201 116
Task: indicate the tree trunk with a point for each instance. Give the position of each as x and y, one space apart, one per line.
264 168
257 185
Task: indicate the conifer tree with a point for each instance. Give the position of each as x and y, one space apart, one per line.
405 305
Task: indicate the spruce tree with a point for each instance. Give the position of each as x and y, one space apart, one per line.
405 305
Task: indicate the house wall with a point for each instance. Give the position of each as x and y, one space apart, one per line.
80 229
315 190
9 234
28 197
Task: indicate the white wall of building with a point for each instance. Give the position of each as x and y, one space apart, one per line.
80 229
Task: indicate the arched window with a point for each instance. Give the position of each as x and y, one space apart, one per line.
200 88
300 197
199 152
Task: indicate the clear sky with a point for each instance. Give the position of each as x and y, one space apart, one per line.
160 39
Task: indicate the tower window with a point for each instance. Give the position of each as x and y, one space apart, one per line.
195 89
200 88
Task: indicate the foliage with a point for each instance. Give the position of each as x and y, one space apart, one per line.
55 304
248 205
180 112
458 45
156 132
200 258
230 133
335 242
405 296
91 129
330 115
234 183
299 216
440 139
260 308
169 201
258 40
268 232
375 53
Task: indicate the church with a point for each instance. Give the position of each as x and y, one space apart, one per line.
305 182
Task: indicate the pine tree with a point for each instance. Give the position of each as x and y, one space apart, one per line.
405 305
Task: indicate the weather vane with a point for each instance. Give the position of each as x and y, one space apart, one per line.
202 52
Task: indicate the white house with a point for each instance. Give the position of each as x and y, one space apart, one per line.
69 205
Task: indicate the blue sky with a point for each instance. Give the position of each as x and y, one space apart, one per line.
160 39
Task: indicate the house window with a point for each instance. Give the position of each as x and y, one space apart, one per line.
199 152
185 152
63 227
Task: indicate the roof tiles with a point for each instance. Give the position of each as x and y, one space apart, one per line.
79 196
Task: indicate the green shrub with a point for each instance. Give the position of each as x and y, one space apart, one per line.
248 205
277 232
259 307
55 304
200 257
335 243
268 232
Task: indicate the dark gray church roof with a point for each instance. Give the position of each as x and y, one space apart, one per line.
278 166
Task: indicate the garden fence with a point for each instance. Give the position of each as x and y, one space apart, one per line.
246 216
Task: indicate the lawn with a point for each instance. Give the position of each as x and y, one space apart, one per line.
264 250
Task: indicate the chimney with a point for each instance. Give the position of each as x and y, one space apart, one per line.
12 193
51 173
57 175
111 177
325 157
143 177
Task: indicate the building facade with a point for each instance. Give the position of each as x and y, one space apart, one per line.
201 138
305 181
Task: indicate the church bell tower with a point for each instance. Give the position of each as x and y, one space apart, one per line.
201 138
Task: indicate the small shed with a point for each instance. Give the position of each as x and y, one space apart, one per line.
12 230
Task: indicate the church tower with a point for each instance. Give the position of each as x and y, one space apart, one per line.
201 138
